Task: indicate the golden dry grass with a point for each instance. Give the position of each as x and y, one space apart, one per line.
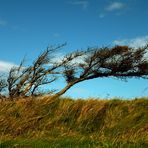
101 120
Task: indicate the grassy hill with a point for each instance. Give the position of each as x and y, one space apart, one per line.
74 123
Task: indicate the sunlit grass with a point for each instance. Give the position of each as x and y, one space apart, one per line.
67 122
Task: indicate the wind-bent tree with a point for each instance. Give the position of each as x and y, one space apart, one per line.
118 61
25 81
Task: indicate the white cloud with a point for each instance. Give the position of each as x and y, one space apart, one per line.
60 56
115 6
83 3
136 42
6 66
3 22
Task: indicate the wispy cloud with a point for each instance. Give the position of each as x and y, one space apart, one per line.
136 42
58 57
6 66
3 22
115 6
83 3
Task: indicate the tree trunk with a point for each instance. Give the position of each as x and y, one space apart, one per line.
68 86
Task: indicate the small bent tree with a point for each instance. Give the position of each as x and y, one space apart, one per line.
23 81
26 81
119 61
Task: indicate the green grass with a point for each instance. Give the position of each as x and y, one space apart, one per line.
74 123
68 143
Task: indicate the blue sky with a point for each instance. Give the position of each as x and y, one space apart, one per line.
27 27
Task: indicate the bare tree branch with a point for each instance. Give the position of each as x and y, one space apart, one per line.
119 62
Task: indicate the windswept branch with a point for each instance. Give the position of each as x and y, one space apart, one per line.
119 61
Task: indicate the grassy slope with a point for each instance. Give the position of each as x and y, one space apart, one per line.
74 123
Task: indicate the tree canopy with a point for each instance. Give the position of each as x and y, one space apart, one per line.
119 61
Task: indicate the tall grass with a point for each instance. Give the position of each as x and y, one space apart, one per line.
94 122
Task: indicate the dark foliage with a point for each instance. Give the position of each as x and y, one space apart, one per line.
119 61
